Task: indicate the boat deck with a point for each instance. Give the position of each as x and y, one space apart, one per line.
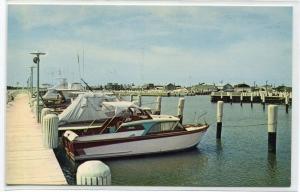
27 161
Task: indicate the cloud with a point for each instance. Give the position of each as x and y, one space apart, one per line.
144 44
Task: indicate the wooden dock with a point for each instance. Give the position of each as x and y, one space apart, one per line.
235 97
27 161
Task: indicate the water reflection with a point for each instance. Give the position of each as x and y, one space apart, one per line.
272 166
176 168
219 149
272 161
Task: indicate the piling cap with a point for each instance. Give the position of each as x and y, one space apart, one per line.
46 109
50 116
93 169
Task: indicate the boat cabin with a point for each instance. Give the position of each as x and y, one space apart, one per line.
153 126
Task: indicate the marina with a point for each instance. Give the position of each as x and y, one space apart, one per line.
154 96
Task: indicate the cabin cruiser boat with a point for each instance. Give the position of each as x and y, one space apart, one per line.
132 131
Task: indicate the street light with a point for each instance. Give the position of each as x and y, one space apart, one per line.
36 60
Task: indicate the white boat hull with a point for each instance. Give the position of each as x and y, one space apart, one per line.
139 147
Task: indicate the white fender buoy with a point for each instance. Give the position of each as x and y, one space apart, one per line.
93 173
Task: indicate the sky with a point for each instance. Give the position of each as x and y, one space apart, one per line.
184 45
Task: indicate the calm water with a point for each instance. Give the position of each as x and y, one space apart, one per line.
239 159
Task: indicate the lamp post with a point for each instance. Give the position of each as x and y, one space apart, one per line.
36 60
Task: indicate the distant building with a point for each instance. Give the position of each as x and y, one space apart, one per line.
148 86
204 88
158 87
113 86
228 88
283 88
242 88
219 87
181 90
170 86
265 87
76 86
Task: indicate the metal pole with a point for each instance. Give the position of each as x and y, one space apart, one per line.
37 61
38 90
31 81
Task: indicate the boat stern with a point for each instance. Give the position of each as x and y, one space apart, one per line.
68 141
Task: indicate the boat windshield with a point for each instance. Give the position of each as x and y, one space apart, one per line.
165 127
131 128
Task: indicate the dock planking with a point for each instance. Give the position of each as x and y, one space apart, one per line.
27 161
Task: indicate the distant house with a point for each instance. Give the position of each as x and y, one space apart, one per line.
181 90
242 88
219 87
266 87
148 86
170 86
113 86
204 88
283 88
228 88
158 87
76 86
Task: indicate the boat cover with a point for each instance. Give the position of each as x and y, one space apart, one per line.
51 94
119 107
86 107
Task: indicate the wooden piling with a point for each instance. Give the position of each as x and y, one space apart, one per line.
180 108
131 98
158 105
50 131
241 99
263 101
139 100
272 127
251 100
219 118
230 96
287 104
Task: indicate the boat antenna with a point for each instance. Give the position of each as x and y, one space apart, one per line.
83 62
87 85
195 113
201 116
78 61
205 121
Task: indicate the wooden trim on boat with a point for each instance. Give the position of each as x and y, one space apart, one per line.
93 143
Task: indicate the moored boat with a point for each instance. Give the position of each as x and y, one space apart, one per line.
144 135
86 113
